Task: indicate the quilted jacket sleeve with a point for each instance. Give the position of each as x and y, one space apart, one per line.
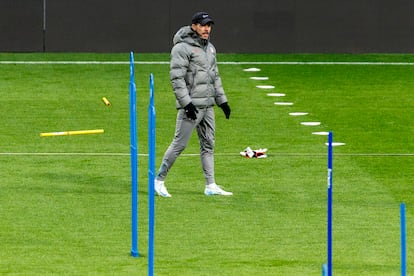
218 86
179 65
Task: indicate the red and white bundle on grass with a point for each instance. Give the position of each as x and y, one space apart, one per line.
249 153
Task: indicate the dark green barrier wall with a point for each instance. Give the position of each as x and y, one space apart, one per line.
267 26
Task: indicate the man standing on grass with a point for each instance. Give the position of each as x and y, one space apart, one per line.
197 87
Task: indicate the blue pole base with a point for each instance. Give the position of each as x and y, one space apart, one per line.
134 253
324 270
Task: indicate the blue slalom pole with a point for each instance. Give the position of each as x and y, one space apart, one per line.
403 241
134 157
330 138
151 177
324 270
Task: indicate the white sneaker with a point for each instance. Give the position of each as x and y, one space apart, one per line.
214 189
160 188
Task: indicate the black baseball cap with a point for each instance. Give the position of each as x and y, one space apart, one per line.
202 18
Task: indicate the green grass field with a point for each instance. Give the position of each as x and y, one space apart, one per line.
65 201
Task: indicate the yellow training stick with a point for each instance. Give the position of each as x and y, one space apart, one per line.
71 132
105 100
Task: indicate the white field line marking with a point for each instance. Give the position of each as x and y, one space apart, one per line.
335 144
283 103
298 113
82 154
252 70
316 63
310 123
67 154
196 154
223 62
265 86
321 133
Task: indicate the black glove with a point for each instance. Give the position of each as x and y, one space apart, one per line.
226 109
191 111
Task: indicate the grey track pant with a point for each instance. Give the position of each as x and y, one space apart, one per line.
205 125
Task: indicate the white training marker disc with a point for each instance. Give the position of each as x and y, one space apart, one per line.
259 78
298 113
265 86
252 70
283 103
334 144
276 94
310 123
320 133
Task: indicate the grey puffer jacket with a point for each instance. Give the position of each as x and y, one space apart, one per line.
193 71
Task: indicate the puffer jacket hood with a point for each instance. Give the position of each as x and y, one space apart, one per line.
187 35
194 73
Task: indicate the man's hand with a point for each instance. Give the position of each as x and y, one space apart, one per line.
191 111
226 109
